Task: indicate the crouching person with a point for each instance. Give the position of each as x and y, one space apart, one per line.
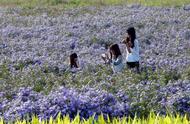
75 65
114 57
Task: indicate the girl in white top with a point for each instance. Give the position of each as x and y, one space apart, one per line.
115 58
132 48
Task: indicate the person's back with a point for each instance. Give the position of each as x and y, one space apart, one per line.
117 64
134 55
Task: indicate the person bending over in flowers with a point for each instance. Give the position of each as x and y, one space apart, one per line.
74 63
115 58
132 49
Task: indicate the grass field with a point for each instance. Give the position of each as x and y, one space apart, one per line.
36 83
71 3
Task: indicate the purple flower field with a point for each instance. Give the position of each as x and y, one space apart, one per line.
34 52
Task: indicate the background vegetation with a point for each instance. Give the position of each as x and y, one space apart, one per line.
73 3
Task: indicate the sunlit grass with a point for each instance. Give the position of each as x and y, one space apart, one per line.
54 7
152 119
161 2
71 3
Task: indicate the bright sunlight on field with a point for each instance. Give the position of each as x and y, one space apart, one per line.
103 119
71 3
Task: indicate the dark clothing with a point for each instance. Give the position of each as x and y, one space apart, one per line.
132 64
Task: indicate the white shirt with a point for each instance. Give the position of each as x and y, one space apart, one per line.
134 55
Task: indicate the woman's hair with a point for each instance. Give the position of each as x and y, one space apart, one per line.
115 48
132 34
73 63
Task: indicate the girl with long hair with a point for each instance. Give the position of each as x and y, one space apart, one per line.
75 65
115 58
132 49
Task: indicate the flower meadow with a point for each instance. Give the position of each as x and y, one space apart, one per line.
35 84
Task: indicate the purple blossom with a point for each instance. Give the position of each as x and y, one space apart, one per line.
164 44
66 101
72 45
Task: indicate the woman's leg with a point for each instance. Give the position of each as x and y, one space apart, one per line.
131 64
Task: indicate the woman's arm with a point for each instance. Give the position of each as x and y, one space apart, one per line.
118 61
128 47
106 58
127 42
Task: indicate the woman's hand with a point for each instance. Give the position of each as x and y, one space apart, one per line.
129 44
105 57
124 41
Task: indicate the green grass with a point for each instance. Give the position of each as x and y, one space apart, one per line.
72 3
152 119
55 7
45 78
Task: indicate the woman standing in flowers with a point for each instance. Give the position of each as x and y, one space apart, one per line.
115 58
132 49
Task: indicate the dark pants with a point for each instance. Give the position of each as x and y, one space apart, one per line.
133 65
